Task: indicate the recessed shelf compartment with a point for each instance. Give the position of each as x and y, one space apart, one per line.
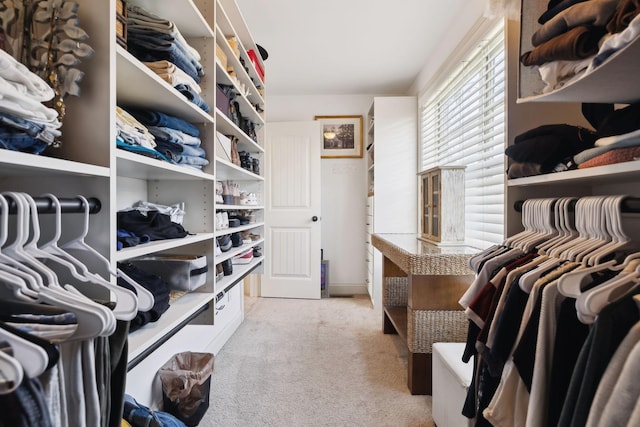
161 245
184 13
180 310
227 127
132 165
138 86
232 171
613 81
232 230
239 273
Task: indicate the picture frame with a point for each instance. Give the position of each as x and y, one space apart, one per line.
341 136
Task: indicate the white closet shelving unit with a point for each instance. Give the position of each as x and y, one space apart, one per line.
391 178
230 23
613 82
88 163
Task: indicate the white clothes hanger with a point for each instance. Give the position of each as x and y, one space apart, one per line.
526 223
93 319
126 301
16 278
592 219
145 298
562 251
32 357
564 224
619 240
570 284
601 229
546 229
11 373
528 279
538 219
591 302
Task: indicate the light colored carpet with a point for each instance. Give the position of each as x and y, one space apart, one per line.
313 363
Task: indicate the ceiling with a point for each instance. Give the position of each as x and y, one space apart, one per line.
335 47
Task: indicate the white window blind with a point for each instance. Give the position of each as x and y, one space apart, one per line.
463 124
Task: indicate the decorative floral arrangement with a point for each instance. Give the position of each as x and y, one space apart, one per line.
46 37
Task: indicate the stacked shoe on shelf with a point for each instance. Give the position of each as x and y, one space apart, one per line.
222 220
244 258
248 199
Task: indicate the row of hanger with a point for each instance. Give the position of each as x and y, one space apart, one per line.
28 274
586 230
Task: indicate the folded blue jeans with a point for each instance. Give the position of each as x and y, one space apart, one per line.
149 34
149 49
192 161
36 130
189 150
11 139
174 135
157 118
193 96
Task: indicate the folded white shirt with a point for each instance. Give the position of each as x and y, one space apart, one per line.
14 71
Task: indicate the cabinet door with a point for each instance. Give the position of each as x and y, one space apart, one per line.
434 226
431 202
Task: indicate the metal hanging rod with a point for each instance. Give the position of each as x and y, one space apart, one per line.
628 205
67 205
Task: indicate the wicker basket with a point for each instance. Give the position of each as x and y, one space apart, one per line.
426 327
396 292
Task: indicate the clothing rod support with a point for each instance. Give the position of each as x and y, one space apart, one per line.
628 205
67 205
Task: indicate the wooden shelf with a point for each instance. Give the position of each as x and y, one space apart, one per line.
398 317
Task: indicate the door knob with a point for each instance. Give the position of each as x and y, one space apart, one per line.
314 218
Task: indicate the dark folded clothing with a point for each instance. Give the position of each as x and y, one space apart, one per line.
595 13
549 145
156 225
154 284
578 43
626 11
620 121
170 149
555 7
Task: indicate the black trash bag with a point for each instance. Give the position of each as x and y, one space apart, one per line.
186 386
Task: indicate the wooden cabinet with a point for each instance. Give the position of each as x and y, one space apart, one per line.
442 205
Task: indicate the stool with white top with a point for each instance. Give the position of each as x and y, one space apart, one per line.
451 380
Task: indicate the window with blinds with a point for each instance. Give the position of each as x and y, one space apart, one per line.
463 124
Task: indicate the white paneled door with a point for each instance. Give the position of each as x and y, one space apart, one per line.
292 209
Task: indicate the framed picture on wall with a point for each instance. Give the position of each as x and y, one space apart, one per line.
341 136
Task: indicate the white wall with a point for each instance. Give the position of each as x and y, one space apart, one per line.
465 22
343 189
344 180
